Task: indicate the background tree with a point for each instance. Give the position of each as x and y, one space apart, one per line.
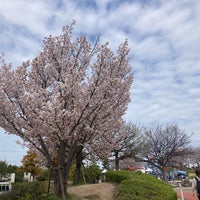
6 169
123 143
161 144
31 164
192 159
127 142
182 161
3 169
64 98
195 158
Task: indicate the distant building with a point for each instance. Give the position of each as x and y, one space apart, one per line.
5 187
28 177
5 183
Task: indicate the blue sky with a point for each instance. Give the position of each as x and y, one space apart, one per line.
165 52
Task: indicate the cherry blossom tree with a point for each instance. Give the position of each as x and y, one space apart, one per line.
127 143
121 144
163 143
70 94
195 159
192 159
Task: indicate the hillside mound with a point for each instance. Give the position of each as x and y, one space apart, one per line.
99 191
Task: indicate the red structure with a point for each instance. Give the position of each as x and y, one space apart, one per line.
134 168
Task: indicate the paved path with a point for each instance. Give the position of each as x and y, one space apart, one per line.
187 193
187 196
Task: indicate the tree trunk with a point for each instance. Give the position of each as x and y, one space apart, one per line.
116 161
79 159
164 171
60 187
49 182
60 177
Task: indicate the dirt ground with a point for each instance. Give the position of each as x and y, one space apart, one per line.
99 191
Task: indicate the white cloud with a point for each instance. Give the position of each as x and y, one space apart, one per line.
25 13
153 49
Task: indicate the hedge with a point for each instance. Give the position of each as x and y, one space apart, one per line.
139 186
28 191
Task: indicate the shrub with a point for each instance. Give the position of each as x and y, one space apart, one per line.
44 175
117 176
139 186
72 172
27 191
33 188
92 173
89 174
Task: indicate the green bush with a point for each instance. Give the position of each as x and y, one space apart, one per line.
27 191
92 173
48 198
44 176
72 172
139 186
117 176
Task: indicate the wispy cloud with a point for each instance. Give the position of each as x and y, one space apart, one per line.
163 36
